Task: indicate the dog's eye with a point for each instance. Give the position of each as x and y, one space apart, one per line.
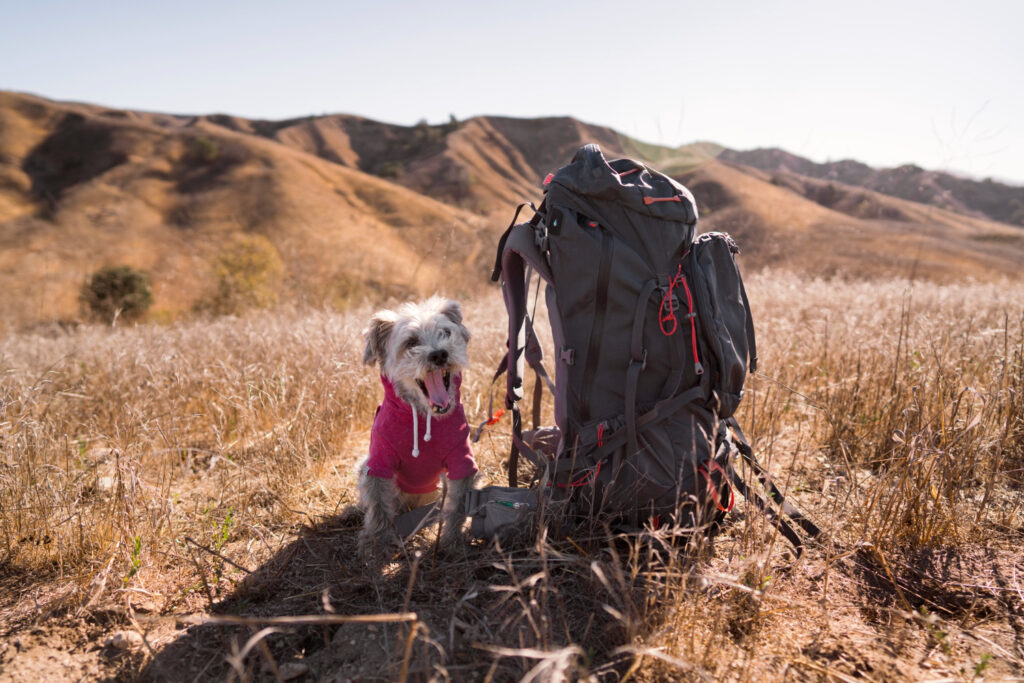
445 333
410 344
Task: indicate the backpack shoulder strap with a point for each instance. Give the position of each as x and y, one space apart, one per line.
518 251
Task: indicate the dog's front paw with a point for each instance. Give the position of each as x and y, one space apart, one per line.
453 539
375 547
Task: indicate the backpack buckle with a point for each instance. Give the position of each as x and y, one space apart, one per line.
540 238
567 356
642 362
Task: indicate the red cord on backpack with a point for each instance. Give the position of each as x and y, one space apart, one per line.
585 479
712 489
663 318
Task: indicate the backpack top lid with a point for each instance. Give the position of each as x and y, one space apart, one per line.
628 183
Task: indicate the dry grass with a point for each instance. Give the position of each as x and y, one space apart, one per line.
154 472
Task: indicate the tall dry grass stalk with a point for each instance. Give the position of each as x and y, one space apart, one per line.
191 463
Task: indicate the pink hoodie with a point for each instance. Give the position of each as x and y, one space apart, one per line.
392 443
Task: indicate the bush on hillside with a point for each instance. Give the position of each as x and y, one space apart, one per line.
248 273
114 292
202 150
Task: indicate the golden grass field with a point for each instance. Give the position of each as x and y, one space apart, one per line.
153 476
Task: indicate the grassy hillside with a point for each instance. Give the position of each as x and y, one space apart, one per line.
153 477
831 229
81 189
348 210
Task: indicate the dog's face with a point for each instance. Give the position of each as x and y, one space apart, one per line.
420 348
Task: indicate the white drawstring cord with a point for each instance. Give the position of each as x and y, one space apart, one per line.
416 434
426 437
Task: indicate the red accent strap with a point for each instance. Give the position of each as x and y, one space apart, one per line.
656 521
693 325
712 489
651 200
632 170
600 434
585 479
547 179
663 318
494 418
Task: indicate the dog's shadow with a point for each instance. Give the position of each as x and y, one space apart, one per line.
319 573
470 604
322 572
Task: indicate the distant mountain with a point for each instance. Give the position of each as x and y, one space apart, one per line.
984 198
358 209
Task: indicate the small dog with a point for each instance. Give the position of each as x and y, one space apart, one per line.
421 349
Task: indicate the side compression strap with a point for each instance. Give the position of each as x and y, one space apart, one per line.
765 478
778 522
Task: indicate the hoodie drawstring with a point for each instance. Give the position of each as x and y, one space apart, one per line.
415 434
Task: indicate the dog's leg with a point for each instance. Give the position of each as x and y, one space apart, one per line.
379 500
453 514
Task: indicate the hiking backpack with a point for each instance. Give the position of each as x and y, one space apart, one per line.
653 339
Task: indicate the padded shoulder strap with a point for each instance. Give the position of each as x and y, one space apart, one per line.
520 251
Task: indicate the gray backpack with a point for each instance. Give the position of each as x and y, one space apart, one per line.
653 338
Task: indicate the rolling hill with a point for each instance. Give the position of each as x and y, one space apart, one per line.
985 198
357 208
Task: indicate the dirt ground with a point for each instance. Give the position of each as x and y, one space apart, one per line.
942 615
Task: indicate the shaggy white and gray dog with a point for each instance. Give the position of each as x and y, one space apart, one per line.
420 431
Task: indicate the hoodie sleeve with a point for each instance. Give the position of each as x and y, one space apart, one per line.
382 462
460 463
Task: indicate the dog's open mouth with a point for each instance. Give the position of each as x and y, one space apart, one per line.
435 387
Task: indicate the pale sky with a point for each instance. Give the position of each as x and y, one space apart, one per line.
934 83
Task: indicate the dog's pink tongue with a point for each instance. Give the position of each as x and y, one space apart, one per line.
436 391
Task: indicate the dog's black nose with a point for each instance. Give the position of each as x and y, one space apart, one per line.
438 357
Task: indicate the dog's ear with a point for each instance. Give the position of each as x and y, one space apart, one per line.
453 311
376 335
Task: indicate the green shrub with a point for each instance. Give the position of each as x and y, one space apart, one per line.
388 169
117 291
248 273
202 150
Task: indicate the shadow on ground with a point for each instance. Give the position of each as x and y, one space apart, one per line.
473 607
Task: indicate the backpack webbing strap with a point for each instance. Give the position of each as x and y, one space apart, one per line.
776 520
661 410
637 362
491 417
535 355
519 446
519 250
538 396
752 351
496 273
597 327
408 523
765 478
